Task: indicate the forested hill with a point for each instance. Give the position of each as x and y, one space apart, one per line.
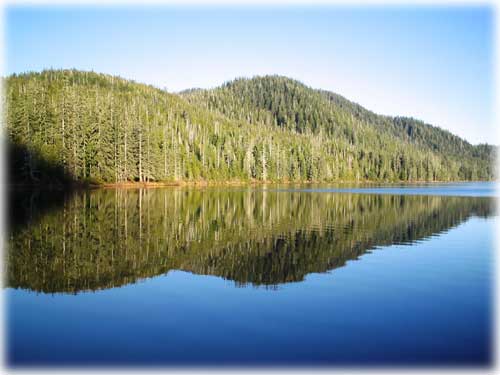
287 103
67 125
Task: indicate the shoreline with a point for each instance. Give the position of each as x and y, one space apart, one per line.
205 183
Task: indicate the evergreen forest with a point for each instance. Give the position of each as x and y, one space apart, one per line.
67 126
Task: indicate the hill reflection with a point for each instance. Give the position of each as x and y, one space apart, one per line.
106 238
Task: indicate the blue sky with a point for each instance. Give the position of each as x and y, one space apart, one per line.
434 63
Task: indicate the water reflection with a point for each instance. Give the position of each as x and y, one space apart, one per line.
106 238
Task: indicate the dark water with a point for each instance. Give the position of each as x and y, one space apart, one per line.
275 276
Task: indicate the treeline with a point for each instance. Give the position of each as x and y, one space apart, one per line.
68 125
109 237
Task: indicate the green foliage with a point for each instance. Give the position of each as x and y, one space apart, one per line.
68 124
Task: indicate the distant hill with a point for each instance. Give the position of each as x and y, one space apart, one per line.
69 125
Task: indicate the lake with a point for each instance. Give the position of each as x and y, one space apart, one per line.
262 276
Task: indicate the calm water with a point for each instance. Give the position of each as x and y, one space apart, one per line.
277 276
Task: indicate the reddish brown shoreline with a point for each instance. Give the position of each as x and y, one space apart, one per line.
260 182
205 183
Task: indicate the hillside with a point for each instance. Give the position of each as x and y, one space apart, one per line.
289 104
67 125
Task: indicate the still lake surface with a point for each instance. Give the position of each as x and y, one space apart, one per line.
285 276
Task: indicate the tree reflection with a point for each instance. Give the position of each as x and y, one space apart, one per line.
107 238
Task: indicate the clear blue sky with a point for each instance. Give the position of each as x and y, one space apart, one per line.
435 63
